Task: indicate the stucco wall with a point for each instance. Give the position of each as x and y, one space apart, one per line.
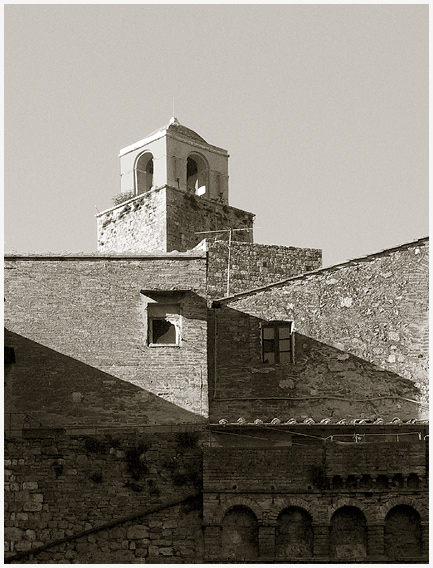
361 344
78 326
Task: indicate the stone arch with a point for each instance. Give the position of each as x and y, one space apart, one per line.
403 500
143 170
348 534
197 174
239 534
295 502
402 533
234 502
349 502
294 534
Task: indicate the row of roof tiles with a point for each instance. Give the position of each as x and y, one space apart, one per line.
310 422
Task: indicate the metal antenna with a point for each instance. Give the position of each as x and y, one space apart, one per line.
230 232
173 108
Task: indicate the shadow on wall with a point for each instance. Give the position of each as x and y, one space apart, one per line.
320 382
45 389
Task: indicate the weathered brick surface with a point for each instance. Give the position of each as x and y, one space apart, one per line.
253 265
96 480
78 327
167 219
361 344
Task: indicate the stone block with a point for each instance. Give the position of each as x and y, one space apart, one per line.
23 546
12 533
31 485
137 532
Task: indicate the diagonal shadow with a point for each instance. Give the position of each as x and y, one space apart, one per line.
322 382
58 391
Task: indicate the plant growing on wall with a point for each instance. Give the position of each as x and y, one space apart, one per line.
121 197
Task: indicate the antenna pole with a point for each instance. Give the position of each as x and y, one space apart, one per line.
228 263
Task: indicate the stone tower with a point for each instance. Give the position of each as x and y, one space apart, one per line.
175 187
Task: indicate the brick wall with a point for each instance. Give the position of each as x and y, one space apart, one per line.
59 486
253 265
78 326
360 344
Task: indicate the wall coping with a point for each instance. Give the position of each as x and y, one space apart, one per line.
318 271
175 255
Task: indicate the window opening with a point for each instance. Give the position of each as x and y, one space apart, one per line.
163 324
277 342
196 175
144 173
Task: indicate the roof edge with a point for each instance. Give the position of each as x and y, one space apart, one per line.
350 262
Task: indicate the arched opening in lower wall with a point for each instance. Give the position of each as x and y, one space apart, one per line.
348 538
403 533
239 534
294 534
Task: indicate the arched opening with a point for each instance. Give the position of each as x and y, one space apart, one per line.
196 174
382 482
294 534
413 481
239 534
337 482
398 480
403 533
365 482
144 173
348 539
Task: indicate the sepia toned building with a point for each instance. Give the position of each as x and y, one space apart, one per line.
185 395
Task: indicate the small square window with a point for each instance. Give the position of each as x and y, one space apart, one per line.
277 342
163 324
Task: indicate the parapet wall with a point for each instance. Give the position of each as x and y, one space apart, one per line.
190 216
253 265
167 219
137 225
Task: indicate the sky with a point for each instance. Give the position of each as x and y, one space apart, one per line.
322 108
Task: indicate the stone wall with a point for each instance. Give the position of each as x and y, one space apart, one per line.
113 488
289 500
137 225
360 345
167 219
188 215
78 326
253 265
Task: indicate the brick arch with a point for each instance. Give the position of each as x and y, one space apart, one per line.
349 502
420 508
237 501
300 503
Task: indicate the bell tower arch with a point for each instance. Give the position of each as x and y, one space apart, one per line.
175 188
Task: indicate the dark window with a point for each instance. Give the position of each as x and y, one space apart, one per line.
163 324
163 331
277 342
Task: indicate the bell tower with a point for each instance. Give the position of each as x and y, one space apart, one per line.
175 188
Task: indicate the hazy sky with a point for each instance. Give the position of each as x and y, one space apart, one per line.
323 109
